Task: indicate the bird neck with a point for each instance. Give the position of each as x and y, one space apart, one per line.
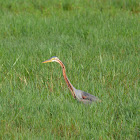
70 86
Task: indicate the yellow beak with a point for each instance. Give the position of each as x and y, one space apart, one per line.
49 60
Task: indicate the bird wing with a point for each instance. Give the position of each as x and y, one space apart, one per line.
87 96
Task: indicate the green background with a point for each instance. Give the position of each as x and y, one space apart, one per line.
98 41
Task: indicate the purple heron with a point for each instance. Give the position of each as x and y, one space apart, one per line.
77 94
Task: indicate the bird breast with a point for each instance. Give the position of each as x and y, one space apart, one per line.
78 94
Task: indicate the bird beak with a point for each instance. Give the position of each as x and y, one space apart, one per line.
49 60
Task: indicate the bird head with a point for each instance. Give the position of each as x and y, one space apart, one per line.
52 59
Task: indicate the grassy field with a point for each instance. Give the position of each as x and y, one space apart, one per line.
99 43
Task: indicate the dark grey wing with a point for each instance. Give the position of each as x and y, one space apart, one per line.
87 96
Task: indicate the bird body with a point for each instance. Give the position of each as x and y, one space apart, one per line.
77 94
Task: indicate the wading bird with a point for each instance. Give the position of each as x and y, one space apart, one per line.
77 94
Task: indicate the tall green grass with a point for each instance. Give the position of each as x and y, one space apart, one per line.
98 41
